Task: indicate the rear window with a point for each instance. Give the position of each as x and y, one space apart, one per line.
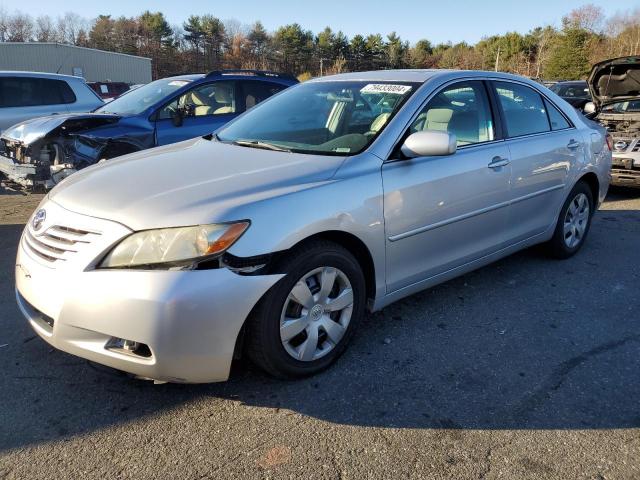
32 92
524 111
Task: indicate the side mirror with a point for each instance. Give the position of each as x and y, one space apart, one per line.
429 143
589 107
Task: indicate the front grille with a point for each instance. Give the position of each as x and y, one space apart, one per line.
57 243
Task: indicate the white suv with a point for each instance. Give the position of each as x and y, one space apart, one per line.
26 95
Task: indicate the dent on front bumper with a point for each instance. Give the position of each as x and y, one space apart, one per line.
190 320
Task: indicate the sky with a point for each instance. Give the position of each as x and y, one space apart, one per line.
438 21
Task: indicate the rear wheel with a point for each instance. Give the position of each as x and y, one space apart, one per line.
573 223
307 319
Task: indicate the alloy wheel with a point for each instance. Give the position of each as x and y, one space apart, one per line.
576 220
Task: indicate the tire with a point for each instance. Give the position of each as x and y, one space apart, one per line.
269 324
562 245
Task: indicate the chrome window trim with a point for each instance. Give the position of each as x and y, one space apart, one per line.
383 146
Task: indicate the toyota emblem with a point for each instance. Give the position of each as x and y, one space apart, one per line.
38 219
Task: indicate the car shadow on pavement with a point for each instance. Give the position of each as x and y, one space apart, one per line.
526 343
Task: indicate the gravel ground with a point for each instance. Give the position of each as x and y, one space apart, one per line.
528 368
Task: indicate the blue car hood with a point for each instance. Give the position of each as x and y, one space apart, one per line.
32 130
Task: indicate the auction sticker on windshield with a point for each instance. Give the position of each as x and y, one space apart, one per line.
385 88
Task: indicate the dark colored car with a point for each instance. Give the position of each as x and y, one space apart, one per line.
109 90
45 150
575 92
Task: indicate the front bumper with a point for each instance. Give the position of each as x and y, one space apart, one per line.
21 173
625 171
189 320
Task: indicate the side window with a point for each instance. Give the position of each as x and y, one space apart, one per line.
32 92
67 93
462 109
53 92
523 109
558 122
217 98
255 92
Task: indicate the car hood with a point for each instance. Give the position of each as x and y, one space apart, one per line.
615 80
189 183
32 130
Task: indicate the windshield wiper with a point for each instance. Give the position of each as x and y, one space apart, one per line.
260 144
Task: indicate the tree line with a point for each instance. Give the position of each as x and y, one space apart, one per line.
205 42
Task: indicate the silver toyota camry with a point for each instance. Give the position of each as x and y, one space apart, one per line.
273 237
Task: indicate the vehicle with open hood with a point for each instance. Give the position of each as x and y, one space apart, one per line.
43 151
615 89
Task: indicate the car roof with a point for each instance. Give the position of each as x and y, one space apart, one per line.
58 76
572 82
192 77
413 75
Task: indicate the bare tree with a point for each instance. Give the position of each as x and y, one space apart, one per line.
544 39
20 28
45 29
69 27
4 24
588 17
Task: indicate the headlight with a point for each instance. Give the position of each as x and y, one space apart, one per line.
173 247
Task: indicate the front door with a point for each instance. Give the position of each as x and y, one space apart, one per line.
442 212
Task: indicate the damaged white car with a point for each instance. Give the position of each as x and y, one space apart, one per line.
615 88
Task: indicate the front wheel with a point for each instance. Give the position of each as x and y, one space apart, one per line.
306 320
573 223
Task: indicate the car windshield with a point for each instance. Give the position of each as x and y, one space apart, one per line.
574 90
623 107
138 100
321 118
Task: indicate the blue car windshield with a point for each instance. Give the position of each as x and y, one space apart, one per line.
321 118
137 101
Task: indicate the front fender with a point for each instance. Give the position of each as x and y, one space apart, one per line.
351 202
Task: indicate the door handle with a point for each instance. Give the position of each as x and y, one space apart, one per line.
573 144
497 162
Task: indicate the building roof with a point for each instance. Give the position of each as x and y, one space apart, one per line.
65 45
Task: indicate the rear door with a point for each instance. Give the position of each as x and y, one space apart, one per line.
205 108
23 98
256 91
543 146
444 211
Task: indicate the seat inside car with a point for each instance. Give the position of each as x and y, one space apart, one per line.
224 97
201 106
465 124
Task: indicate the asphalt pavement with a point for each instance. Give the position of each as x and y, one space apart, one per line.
528 368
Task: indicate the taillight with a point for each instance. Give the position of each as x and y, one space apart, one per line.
610 142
